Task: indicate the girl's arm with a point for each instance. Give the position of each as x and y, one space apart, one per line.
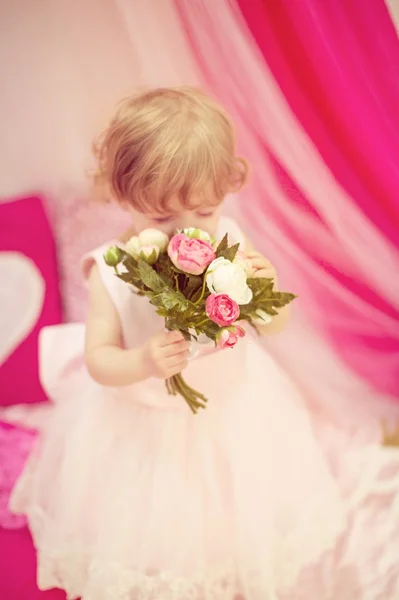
163 355
263 268
107 362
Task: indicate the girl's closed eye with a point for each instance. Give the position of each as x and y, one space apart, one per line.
205 215
166 219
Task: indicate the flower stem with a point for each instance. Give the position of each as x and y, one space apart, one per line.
170 387
177 385
202 322
187 396
202 292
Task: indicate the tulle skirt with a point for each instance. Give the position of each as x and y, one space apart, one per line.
131 497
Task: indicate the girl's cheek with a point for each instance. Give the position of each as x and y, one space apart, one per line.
211 224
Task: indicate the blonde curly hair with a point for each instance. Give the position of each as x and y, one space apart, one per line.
168 142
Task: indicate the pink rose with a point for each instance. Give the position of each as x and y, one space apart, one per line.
191 256
221 309
229 336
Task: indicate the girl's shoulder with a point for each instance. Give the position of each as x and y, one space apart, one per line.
96 257
117 289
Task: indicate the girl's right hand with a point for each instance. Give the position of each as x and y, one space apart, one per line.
165 354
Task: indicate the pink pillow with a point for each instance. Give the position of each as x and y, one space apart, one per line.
29 296
18 568
15 445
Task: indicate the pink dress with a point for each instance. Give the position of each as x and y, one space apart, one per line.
131 497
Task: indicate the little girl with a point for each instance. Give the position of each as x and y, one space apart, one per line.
130 496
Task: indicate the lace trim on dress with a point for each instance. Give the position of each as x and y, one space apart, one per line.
77 568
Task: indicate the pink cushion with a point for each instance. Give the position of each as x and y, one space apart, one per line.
18 568
15 445
31 298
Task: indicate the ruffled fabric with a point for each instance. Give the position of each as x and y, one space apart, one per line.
126 500
360 564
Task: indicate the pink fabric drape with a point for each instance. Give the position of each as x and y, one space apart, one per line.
338 66
339 243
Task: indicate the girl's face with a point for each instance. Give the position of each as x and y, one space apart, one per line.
204 217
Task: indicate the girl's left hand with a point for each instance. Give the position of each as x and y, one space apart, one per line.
261 266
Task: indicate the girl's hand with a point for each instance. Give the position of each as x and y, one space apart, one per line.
261 267
165 354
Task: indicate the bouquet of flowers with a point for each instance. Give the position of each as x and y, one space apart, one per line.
199 286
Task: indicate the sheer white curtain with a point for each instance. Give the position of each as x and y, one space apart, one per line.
393 7
63 66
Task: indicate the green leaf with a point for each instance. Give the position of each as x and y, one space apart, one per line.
281 299
264 298
132 274
168 281
186 334
163 267
230 253
173 325
193 284
126 277
158 301
224 244
150 277
129 262
268 307
263 291
132 280
169 300
210 329
261 285
162 312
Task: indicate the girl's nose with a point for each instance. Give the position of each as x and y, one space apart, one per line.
185 220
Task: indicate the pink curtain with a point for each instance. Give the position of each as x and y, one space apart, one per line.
325 153
338 66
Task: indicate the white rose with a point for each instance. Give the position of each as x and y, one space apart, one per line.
149 254
197 234
154 237
262 318
225 277
148 245
132 246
